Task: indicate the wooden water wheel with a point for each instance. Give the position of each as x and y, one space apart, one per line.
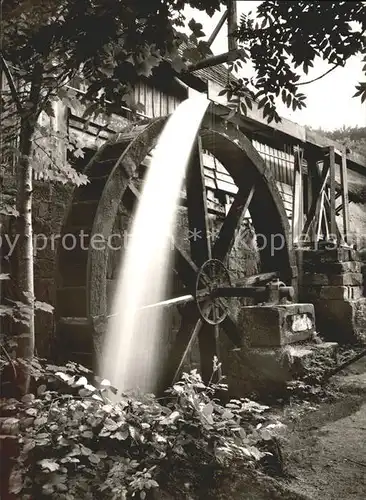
82 283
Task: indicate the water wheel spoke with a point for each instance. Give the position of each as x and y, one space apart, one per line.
232 221
232 331
187 333
197 208
211 311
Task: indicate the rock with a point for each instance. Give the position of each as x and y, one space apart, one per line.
277 325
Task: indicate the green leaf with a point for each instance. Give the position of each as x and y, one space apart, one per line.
41 389
196 28
65 377
88 434
81 382
243 108
49 465
15 482
192 54
262 102
121 435
284 96
78 153
43 306
94 459
178 64
28 398
227 415
248 102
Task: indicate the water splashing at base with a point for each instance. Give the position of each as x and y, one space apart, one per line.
132 350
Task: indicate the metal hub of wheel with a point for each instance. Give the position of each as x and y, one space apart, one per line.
212 275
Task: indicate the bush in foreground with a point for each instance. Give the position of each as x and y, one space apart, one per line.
78 440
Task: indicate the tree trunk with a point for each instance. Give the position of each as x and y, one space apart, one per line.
25 230
25 276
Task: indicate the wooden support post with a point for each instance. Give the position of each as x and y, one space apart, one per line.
313 175
318 220
344 191
227 57
327 211
298 199
232 24
218 28
316 204
333 222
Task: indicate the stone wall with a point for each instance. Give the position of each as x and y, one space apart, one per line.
49 208
333 282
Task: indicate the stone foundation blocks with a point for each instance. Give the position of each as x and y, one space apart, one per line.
333 281
345 279
335 255
315 293
343 321
277 325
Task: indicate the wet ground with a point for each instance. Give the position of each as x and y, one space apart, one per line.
325 449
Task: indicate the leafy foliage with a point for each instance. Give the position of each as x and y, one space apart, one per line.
48 47
79 439
281 37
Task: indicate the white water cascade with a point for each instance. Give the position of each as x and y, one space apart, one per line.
131 356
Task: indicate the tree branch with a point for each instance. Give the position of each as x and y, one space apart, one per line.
319 77
11 83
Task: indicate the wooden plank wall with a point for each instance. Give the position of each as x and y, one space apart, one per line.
281 162
156 102
217 178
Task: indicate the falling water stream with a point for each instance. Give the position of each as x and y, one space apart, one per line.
131 356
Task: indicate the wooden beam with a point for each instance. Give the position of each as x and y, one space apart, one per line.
327 211
320 141
298 198
232 221
345 201
217 28
226 57
293 131
188 332
232 25
316 204
198 223
318 219
331 160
